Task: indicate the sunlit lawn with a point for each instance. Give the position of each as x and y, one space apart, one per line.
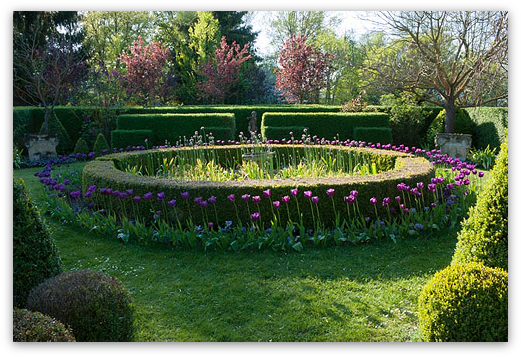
356 293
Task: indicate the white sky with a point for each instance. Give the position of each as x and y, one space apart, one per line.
350 21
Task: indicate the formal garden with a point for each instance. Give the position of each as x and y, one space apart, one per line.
170 188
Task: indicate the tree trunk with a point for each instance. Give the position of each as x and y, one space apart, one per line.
46 120
450 116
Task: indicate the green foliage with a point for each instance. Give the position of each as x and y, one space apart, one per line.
491 124
97 307
124 138
35 257
465 303
484 235
100 144
22 124
56 127
81 147
323 125
173 127
462 125
373 135
29 326
484 158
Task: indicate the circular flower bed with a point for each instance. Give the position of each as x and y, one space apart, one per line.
234 200
383 194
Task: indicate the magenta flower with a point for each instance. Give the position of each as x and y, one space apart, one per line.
450 186
308 194
397 198
147 196
481 174
204 204
401 186
210 225
171 203
75 194
386 201
330 192
231 197
212 200
294 191
431 187
245 197
185 195
349 199
419 185
285 199
314 199
158 213
87 194
160 196
198 200
354 193
276 204
267 192
256 199
373 200
255 216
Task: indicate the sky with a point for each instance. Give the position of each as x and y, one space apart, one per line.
350 22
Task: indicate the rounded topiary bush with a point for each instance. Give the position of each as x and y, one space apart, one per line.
81 147
484 234
465 303
97 307
35 256
100 144
29 326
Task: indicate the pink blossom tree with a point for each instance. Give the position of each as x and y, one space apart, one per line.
145 74
221 72
303 70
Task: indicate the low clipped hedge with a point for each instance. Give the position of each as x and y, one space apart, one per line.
373 135
490 126
465 303
174 127
323 125
106 172
124 138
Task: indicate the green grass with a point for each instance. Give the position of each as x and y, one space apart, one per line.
360 293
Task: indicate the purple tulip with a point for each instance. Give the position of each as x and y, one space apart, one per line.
130 192
87 194
147 196
160 196
198 200
185 195
212 200
245 197
419 185
158 213
349 199
171 203
210 225
386 201
267 192
314 199
255 216
256 199
481 174
431 187
108 191
67 182
373 200
137 199
398 198
294 191
203 204
75 194
354 193
123 195
93 188
330 192
285 199
450 186
276 204
308 194
231 197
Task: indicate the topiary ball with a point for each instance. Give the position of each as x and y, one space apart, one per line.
462 125
29 326
465 303
96 306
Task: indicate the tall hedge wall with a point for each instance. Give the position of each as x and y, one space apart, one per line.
490 125
324 125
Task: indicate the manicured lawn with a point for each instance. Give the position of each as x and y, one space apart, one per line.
356 293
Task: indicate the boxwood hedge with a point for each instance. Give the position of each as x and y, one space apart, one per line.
107 172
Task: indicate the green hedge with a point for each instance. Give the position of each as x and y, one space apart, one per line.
124 138
323 125
174 127
105 173
373 135
490 125
462 125
29 326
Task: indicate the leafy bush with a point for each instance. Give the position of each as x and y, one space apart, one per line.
100 144
490 125
373 135
484 235
56 127
81 147
29 326
484 158
35 256
96 306
465 303
124 138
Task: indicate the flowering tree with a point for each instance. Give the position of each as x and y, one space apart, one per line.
221 71
303 70
145 70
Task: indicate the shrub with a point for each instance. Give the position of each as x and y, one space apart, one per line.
100 144
81 147
484 235
173 127
56 127
373 135
35 256
465 303
29 326
96 306
323 125
491 124
124 138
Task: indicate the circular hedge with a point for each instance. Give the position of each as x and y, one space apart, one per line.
108 172
29 326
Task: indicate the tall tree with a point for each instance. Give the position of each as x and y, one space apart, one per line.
303 70
454 59
234 27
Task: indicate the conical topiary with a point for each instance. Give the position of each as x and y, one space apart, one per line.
81 147
35 256
484 234
100 144
57 128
